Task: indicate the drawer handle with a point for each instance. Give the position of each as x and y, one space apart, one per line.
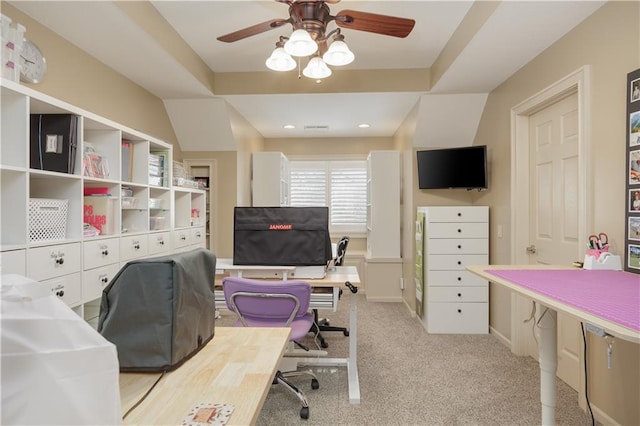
105 252
161 242
459 214
459 246
104 280
182 237
459 230
459 262
459 311
459 294
459 278
60 260
137 247
60 293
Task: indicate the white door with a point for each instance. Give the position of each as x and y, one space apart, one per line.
554 206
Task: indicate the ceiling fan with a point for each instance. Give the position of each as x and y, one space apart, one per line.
309 19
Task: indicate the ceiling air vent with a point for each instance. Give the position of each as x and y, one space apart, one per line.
316 128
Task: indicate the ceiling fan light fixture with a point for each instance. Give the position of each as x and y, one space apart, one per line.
316 69
300 44
338 54
280 60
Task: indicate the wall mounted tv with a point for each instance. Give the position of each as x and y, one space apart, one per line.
453 168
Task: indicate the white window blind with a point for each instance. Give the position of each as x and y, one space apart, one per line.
339 185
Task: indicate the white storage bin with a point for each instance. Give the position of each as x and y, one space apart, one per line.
129 202
156 203
47 219
156 222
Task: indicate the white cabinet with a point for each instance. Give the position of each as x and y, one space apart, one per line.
270 179
383 264
42 212
383 204
455 301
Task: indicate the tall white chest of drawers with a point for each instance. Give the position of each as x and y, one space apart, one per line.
455 300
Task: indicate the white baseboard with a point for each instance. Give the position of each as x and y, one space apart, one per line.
602 417
501 337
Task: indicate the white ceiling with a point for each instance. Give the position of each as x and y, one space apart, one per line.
515 33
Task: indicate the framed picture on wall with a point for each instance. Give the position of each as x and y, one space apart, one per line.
635 90
203 182
634 201
634 129
634 228
634 167
633 256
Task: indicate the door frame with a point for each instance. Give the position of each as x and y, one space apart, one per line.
576 82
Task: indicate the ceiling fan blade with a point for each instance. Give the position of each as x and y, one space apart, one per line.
374 23
252 30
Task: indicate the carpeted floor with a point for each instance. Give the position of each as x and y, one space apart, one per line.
409 377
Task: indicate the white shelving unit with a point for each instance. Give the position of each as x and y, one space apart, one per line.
383 264
455 300
78 267
270 179
206 169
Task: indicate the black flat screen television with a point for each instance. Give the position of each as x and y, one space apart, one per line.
453 168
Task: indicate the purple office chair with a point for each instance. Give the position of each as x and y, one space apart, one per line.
259 303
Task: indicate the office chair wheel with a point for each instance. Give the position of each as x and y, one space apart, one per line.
304 412
346 333
315 384
323 344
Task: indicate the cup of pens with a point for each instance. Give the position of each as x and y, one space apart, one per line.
598 244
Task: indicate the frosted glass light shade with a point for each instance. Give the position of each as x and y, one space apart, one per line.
338 54
316 69
280 60
300 44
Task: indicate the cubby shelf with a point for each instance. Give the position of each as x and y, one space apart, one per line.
154 218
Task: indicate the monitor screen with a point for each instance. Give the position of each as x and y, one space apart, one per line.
453 168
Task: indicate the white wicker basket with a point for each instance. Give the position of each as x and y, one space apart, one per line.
47 219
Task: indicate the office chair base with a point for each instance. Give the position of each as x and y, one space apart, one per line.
281 379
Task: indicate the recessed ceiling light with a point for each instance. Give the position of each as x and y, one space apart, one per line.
289 126
364 125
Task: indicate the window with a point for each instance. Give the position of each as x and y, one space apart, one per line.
340 185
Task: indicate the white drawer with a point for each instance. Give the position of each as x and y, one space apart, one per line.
68 288
454 278
198 235
95 280
458 294
455 261
53 261
463 318
159 242
13 262
133 247
459 245
458 214
101 252
457 230
181 237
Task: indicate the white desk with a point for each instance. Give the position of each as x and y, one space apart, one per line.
335 279
576 299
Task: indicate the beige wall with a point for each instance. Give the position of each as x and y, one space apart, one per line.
79 79
609 43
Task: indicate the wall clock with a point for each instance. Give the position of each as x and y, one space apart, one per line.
33 65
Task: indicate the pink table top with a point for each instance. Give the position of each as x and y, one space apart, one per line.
612 295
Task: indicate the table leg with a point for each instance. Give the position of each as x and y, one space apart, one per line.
548 364
351 361
352 366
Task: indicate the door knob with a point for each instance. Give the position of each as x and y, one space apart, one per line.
532 249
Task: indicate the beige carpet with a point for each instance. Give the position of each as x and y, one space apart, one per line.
409 377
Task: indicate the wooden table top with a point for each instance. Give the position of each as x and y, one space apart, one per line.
236 367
